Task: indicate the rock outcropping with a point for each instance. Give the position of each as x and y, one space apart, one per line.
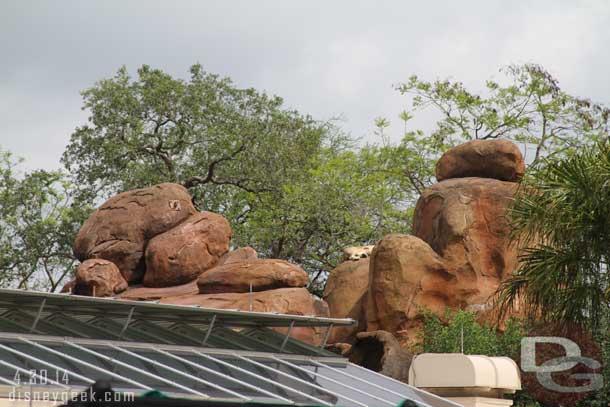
184 252
260 275
345 292
458 255
497 159
119 230
152 244
99 278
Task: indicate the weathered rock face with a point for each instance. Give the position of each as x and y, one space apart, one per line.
140 293
345 293
184 252
155 241
263 274
98 278
238 255
381 352
296 301
406 276
118 230
499 159
464 221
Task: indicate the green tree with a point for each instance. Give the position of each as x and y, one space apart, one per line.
348 197
292 187
561 216
215 139
531 108
38 222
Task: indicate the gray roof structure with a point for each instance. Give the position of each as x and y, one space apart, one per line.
66 343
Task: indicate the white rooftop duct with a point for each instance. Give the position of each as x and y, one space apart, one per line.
470 380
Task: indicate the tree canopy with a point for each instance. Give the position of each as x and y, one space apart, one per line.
38 222
530 108
561 215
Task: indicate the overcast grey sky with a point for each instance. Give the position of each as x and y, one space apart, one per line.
326 58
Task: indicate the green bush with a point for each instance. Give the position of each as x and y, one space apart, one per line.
444 335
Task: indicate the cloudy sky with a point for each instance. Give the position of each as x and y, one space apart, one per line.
326 58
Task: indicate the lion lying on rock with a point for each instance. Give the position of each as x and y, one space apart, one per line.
357 252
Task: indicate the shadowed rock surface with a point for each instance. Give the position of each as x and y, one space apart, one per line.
98 278
263 274
381 352
499 159
119 229
464 221
184 252
406 277
345 293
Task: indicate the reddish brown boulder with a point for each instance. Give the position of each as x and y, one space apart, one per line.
340 348
263 274
238 255
184 252
118 230
141 293
296 301
98 278
345 290
68 287
380 351
406 277
499 159
464 221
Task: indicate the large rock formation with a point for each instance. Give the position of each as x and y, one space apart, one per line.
406 277
499 159
98 278
119 229
169 252
464 221
460 250
181 254
296 301
345 293
260 274
458 255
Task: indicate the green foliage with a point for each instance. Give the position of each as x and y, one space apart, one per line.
38 222
531 109
293 188
347 197
204 133
444 335
562 217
